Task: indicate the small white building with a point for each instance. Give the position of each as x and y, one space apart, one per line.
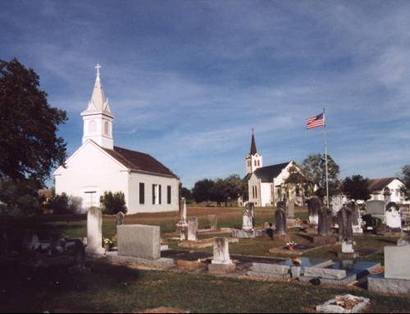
387 189
266 183
98 166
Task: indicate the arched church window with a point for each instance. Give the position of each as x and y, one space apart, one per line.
92 126
106 128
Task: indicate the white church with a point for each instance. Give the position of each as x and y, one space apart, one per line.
265 183
98 166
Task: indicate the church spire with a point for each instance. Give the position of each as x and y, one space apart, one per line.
253 144
98 101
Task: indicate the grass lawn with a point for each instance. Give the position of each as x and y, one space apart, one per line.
227 217
108 288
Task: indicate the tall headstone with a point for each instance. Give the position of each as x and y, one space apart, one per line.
344 219
247 217
221 251
192 229
280 219
314 205
356 218
213 221
291 209
182 212
119 218
94 231
325 221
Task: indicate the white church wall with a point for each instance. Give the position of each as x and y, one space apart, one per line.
89 173
136 178
266 194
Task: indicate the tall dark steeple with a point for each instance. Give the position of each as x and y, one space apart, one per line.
253 144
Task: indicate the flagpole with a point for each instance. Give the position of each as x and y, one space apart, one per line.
326 166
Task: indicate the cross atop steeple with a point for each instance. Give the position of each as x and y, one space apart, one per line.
98 67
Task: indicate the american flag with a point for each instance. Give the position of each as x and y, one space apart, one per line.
316 121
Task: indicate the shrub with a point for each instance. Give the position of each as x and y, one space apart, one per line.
113 203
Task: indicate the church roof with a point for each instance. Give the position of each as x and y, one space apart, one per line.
137 161
379 184
268 173
98 102
253 145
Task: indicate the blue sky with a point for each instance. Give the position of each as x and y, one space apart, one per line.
188 80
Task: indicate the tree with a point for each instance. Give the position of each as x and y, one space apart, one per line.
356 188
405 177
296 181
202 190
30 147
18 197
314 168
187 194
113 203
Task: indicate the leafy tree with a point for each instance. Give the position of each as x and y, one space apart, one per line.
356 188
314 168
19 197
202 190
30 147
296 180
405 177
113 203
187 194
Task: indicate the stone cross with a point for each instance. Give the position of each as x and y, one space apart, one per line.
280 219
192 229
325 220
221 251
94 231
119 218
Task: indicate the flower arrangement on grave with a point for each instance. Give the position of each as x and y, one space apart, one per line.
108 244
291 245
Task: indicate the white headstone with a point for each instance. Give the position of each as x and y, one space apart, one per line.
221 252
358 228
247 223
397 262
94 231
393 219
313 219
182 213
192 229
347 247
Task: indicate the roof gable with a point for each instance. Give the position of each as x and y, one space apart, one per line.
268 173
137 161
379 184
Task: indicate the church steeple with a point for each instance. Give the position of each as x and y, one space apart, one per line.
98 117
253 144
253 160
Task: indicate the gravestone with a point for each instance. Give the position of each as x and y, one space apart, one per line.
182 212
356 219
192 229
213 221
344 220
393 217
139 241
375 208
324 222
280 219
221 251
119 218
397 262
291 209
247 217
314 205
221 262
94 231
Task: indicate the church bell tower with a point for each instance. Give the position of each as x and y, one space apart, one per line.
253 160
97 118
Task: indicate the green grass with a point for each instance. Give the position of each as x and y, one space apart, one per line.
107 288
